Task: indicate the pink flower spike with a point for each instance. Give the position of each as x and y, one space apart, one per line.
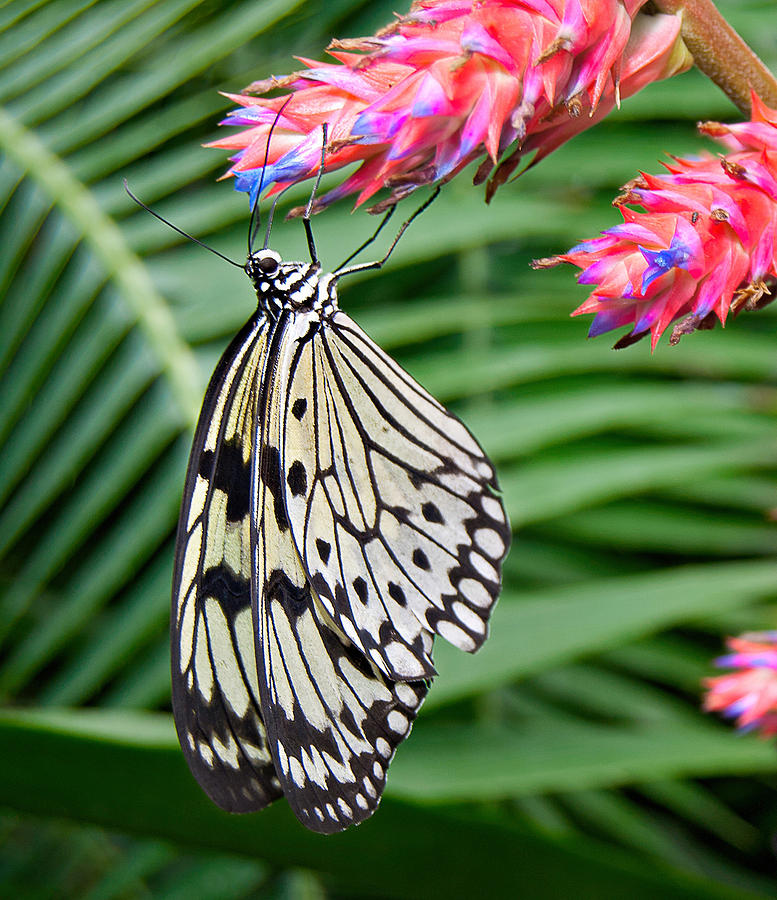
703 245
749 695
449 83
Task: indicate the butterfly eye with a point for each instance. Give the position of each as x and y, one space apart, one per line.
268 265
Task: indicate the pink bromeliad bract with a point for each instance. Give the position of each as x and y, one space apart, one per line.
446 84
748 695
704 244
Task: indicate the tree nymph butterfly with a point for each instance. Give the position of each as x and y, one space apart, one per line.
335 518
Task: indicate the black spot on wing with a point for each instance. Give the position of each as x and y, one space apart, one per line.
358 661
324 549
271 476
205 468
294 599
298 408
297 479
231 474
321 586
397 594
360 586
431 513
231 591
420 559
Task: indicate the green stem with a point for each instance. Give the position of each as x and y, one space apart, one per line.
721 54
103 235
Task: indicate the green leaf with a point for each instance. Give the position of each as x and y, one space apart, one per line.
552 627
94 765
456 763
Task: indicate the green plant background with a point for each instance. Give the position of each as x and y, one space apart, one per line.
569 757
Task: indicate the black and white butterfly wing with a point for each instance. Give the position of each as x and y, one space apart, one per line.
333 720
215 684
392 505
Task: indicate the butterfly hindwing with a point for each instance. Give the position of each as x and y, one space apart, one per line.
392 503
333 720
215 685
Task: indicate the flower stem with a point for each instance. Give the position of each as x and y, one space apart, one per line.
721 54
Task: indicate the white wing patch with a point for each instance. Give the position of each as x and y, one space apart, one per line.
392 503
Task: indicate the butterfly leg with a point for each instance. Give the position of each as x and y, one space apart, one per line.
364 267
369 240
309 207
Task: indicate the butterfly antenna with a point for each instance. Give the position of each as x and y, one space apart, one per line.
175 227
309 207
255 221
364 267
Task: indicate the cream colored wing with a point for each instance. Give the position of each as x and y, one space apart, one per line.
215 685
392 503
333 719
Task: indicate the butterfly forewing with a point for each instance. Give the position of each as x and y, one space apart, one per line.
392 503
215 685
333 720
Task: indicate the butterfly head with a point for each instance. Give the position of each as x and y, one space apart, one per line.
283 285
263 266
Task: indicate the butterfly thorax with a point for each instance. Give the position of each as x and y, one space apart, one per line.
295 286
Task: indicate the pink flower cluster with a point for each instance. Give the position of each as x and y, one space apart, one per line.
443 85
704 246
749 695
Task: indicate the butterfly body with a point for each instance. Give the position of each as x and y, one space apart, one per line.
335 519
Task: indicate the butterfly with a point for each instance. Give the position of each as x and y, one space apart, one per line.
335 519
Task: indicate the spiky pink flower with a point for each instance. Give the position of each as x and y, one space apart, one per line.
704 246
749 695
448 82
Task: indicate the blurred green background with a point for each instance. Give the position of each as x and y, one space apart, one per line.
568 758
